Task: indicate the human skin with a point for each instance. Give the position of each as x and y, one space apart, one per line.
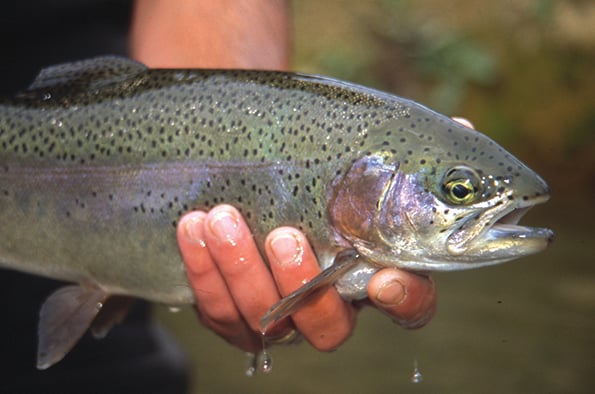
249 34
232 284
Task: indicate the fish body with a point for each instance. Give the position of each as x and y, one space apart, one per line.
100 158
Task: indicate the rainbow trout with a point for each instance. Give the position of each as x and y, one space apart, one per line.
100 158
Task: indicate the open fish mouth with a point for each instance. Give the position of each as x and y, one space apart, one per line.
495 235
507 226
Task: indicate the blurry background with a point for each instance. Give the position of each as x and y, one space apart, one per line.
524 72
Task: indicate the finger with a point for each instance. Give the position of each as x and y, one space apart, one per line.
245 273
326 321
410 298
214 303
465 122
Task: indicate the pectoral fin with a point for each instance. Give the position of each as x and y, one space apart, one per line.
291 303
64 317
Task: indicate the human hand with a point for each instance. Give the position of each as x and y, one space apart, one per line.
234 287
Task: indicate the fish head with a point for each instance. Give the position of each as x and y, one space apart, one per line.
454 203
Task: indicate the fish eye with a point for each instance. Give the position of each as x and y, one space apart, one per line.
460 191
461 185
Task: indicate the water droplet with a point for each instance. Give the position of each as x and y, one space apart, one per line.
174 309
265 362
417 377
250 364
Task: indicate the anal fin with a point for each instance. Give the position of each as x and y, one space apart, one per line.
64 318
113 312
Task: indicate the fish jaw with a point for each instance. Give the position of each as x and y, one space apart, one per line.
502 240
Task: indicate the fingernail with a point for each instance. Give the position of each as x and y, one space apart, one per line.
287 249
225 226
193 229
391 293
463 121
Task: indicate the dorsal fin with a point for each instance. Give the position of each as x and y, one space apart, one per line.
83 76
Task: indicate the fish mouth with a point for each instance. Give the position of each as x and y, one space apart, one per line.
508 227
495 235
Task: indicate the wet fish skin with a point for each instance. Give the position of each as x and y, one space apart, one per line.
100 158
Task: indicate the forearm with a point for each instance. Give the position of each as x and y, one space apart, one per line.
251 34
